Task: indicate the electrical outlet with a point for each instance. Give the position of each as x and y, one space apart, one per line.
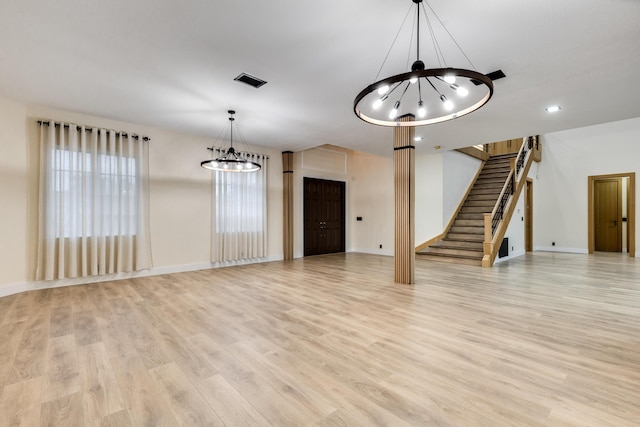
380 246
553 243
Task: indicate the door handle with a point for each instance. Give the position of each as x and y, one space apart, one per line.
615 222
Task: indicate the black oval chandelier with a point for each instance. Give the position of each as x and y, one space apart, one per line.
432 95
230 160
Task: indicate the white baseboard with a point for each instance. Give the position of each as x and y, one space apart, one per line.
15 288
512 255
385 252
561 249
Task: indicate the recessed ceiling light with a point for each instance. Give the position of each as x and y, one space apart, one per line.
437 147
553 109
417 138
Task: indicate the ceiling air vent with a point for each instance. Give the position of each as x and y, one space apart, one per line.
494 75
250 80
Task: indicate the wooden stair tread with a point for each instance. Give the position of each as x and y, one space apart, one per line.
476 209
497 175
453 244
471 215
503 156
436 254
480 196
450 259
465 237
468 223
489 185
488 202
466 230
440 250
486 191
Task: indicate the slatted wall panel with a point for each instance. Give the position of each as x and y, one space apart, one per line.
287 178
404 192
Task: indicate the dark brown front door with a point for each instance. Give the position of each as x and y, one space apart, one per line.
607 194
324 216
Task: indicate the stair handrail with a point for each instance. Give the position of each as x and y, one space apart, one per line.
510 187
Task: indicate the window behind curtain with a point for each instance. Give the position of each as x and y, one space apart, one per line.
240 213
93 202
114 177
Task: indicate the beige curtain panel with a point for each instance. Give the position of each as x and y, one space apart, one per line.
239 220
93 202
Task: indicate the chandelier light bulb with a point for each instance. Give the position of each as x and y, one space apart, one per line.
394 112
412 80
462 91
378 102
383 89
422 111
448 105
450 78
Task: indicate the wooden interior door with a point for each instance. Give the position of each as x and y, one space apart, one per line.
528 217
324 216
607 194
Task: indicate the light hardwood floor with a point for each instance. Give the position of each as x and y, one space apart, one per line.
546 339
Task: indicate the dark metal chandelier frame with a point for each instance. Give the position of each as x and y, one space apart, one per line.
231 160
407 89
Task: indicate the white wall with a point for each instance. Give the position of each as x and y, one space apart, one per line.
14 193
180 196
429 196
560 180
458 171
442 180
372 199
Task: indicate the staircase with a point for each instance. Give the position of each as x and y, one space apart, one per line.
463 244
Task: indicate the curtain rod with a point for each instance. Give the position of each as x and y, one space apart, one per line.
91 129
245 152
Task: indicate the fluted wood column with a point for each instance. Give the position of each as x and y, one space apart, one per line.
404 193
287 212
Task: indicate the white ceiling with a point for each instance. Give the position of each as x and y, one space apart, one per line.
171 64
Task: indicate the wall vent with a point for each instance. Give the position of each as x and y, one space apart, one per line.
250 80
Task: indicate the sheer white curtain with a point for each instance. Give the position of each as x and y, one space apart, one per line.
239 220
93 202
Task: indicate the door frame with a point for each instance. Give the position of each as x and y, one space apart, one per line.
631 210
343 185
